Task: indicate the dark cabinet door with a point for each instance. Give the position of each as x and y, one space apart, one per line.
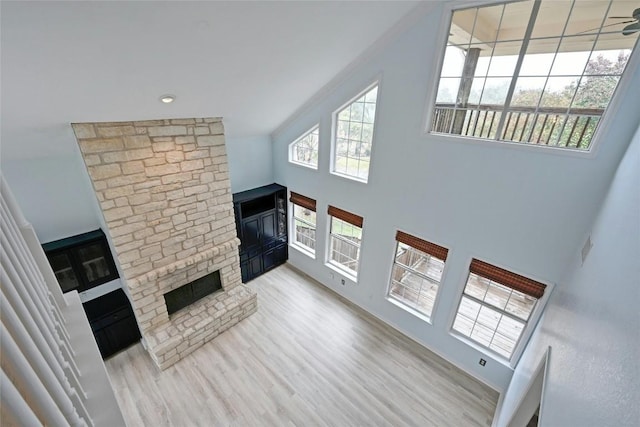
103 343
275 256
121 334
95 263
63 269
255 266
280 254
251 232
81 262
269 259
244 271
112 322
268 225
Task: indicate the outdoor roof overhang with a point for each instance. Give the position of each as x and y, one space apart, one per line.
501 34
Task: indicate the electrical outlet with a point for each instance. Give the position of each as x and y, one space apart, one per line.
331 276
483 362
343 282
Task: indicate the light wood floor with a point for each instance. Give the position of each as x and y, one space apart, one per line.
306 358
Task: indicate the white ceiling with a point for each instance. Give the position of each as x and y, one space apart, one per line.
253 63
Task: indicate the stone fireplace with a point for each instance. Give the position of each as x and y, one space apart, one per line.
163 187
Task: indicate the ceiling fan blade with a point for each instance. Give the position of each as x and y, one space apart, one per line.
634 15
630 29
618 23
604 26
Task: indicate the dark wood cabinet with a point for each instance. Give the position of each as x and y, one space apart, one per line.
261 220
112 322
81 262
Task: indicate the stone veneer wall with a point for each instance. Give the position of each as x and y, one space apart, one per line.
163 187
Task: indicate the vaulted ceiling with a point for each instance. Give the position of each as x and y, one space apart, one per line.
254 63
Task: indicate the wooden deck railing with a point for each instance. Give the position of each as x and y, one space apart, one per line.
544 126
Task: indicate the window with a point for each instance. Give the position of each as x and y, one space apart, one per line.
416 273
533 72
304 222
304 150
496 307
353 137
345 235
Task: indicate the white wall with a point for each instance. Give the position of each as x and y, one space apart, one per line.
250 162
523 208
56 195
592 321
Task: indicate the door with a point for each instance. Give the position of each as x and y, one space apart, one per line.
95 264
63 269
269 259
103 343
255 266
250 232
121 334
244 271
280 254
268 223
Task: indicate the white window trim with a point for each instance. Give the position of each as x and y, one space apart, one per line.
292 230
304 249
334 124
436 69
402 304
336 266
528 330
304 135
412 311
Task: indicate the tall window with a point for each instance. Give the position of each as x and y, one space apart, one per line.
533 72
304 222
345 235
416 273
353 137
496 307
304 150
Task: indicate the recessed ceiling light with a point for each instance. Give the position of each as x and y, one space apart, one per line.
167 99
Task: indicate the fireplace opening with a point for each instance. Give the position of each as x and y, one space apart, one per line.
191 292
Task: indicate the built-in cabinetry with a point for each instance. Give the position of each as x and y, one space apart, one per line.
81 262
261 220
112 322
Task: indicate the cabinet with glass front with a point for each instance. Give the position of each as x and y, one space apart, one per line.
81 262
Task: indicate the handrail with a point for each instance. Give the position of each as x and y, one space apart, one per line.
554 126
36 347
540 110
